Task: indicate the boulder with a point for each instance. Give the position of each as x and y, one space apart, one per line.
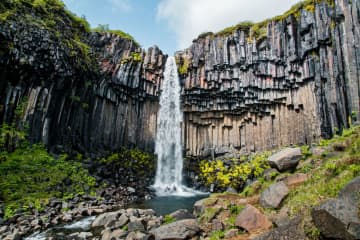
290 231
105 219
123 219
137 236
337 218
252 220
107 234
182 214
286 159
136 225
183 229
199 207
351 191
273 195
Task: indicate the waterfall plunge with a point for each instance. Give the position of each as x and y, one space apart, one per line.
168 147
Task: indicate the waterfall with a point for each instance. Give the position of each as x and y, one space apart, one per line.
168 147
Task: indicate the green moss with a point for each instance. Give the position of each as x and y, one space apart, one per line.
258 31
216 235
105 29
168 219
134 161
133 57
209 214
183 65
30 176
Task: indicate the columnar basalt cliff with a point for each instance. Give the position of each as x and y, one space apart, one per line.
289 80
73 88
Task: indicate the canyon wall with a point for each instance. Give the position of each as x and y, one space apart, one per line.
92 92
294 83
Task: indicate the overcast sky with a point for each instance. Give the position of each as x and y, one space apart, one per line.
173 24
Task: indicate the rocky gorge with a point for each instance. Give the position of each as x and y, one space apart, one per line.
78 120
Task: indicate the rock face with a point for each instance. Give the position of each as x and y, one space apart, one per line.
297 83
105 103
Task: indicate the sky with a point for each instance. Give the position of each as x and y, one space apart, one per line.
173 24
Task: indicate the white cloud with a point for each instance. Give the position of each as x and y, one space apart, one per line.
189 18
120 5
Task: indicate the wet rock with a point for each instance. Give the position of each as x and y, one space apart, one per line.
199 207
252 220
182 214
273 195
183 229
286 159
104 219
337 219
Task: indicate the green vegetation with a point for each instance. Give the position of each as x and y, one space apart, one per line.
183 65
331 174
133 57
29 176
168 219
258 31
236 174
209 214
216 235
65 28
133 161
104 28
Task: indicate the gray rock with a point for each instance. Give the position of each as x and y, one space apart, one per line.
270 174
136 225
273 195
183 229
286 159
337 219
291 231
199 207
3 229
231 233
351 191
138 236
182 214
104 219
231 190
123 219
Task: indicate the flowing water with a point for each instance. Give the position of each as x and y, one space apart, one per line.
168 147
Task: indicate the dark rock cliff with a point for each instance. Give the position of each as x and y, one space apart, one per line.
291 82
92 92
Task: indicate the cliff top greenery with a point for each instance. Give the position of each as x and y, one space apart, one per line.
53 15
258 30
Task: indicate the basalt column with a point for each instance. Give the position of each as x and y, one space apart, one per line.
296 83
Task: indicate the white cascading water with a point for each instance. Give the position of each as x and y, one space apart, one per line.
168 147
